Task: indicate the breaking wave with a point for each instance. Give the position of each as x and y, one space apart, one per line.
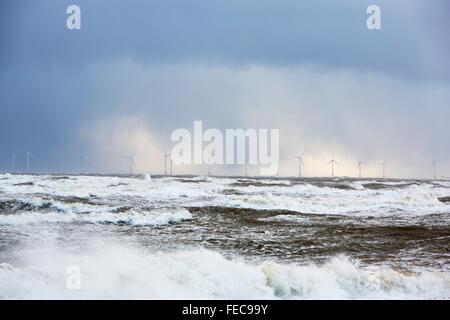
27 213
319 196
117 271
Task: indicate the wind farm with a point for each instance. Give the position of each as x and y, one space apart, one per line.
168 167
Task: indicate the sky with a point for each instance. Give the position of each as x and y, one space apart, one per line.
137 70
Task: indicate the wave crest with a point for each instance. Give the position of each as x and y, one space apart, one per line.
115 271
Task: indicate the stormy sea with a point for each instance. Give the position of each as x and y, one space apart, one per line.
188 237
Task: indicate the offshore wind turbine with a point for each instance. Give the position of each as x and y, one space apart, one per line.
13 160
209 166
131 158
83 159
383 164
166 155
333 162
434 165
300 162
360 163
28 155
165 162
278 169
246 163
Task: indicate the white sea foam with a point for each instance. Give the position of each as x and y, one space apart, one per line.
285 217
131 217
146 177
416 199
112 270
115 271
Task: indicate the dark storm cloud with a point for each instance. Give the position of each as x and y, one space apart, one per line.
413 42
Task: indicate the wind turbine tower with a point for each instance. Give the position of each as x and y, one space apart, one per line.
246 163
434 165
167 155
360 163
165 162
278 169
28 155
300 162
83 159
333 162
209 166
131 158
13 160
384 169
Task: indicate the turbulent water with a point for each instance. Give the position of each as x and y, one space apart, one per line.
223 238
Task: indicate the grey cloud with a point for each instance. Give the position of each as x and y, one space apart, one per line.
412 43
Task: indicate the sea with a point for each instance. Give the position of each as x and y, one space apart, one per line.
202 237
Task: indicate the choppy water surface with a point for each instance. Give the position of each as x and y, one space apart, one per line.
206 237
